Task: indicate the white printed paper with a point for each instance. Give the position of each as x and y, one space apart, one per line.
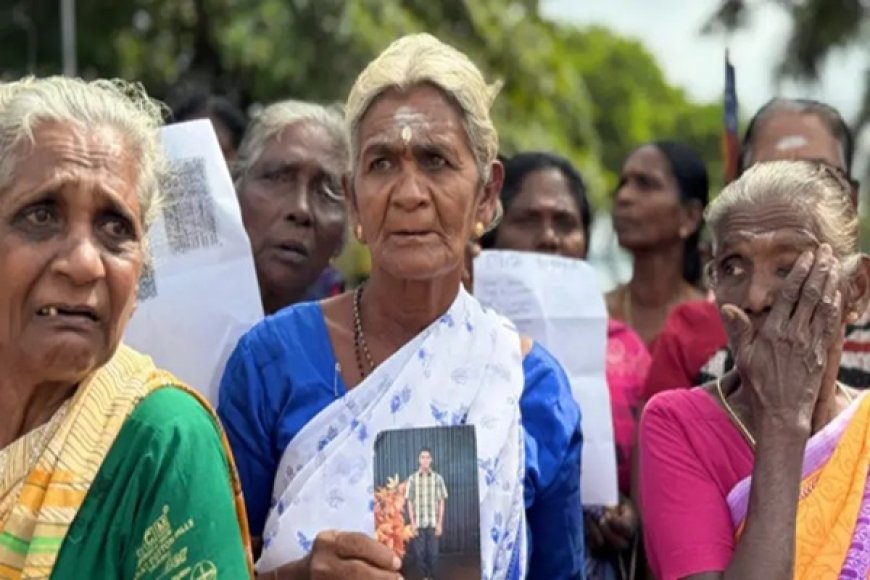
201 293
557 302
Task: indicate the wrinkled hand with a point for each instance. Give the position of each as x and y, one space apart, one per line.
345 555
612 531
784 363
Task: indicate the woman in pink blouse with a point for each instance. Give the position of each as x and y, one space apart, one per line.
764 473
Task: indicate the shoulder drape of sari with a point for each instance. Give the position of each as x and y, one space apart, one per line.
833 520
465 368
38 504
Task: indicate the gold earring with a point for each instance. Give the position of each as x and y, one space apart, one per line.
479 230
357 231
852 318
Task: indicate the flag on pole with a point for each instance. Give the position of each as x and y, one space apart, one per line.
730 138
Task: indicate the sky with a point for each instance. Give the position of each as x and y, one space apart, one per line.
671 31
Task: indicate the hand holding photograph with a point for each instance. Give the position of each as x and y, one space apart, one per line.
427 501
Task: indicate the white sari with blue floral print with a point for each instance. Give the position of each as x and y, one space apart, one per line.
465 368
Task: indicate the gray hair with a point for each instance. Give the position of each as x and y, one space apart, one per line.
419 59
816 189
272 121
123 106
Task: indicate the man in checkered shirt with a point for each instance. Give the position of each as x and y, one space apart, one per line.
426 495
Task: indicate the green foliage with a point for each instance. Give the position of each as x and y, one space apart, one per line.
583 92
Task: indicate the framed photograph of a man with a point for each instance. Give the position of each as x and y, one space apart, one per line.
427 501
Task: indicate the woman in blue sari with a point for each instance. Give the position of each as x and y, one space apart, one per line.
307 390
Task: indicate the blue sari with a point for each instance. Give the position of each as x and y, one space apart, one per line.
283 374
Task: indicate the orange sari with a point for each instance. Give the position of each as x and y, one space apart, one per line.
833 519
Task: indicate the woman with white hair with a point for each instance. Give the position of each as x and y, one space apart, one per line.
288 179
765 473
109 467
307 391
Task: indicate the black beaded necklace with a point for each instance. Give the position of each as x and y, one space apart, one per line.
361 347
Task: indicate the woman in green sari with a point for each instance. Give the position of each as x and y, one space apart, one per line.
109 467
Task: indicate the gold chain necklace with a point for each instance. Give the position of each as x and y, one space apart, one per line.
360 345
740 425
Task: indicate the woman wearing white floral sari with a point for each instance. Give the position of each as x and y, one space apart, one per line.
307 390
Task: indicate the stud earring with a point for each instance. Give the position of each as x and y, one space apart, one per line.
479 230
852 318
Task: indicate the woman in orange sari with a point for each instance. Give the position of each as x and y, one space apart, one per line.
764 473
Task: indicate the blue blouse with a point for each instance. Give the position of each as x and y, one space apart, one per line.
283 372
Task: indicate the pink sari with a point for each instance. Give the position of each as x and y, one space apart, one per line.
627 364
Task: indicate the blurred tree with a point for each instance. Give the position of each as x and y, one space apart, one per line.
583 92
586 93
634 104
819 27
560 91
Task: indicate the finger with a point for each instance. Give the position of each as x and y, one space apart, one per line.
828 313
826 343
355 569
614 540
364 571
789 293
357 546
835 317
813 290
622 525
593 534
737 326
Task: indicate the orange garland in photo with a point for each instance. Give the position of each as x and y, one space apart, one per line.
390 527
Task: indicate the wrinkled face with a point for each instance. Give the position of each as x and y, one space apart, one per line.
544 217
294 211
647 212
756 248
70 251
425 460
788 135
416 190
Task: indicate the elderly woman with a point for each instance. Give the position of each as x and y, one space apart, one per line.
307 391
546 210
764 473
110 467
692 347
288 179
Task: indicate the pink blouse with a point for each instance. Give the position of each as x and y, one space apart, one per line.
691 455
627 364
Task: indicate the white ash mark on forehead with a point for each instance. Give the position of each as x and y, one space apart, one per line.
791 142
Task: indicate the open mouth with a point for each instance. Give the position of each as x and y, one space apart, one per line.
81 312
